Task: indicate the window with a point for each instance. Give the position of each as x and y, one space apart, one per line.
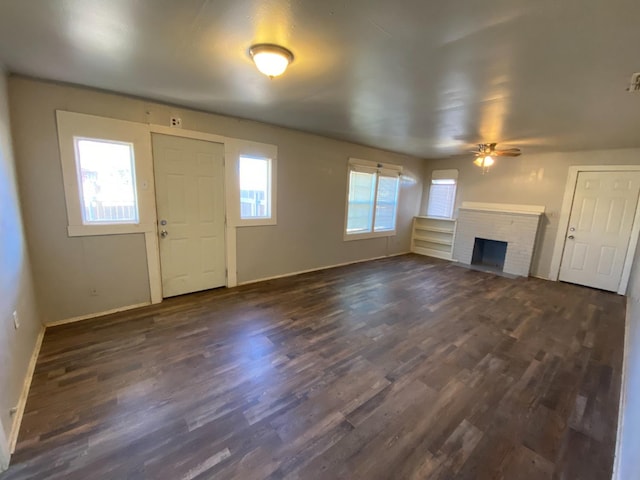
442 193
107 169
106 177
253 196
255 188
372 199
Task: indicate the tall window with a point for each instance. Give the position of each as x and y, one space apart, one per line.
255 188
442 193
372 201
106 177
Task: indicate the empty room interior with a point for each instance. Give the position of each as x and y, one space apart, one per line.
319 240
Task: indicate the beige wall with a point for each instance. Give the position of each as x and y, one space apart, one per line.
312 176
536 179
16 290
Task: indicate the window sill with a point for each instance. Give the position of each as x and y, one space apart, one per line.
256 222
364 236
110 229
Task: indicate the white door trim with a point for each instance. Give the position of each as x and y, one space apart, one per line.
565 212
230 231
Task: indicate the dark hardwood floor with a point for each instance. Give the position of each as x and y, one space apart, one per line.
402 368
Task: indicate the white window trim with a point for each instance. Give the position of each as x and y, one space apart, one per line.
357 162
244 148
72 125
439 175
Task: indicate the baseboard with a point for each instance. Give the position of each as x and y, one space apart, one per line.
542 278
317 269
95 315
623 392
22 401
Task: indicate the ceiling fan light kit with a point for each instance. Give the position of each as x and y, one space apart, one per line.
486 153
271 60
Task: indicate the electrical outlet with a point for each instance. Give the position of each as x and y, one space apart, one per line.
16 320
93 292
175 122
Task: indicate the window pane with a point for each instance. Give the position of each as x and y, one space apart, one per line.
361 198
255 194
107 181
441 199
386 205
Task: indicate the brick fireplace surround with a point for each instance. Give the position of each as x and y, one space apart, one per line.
515 224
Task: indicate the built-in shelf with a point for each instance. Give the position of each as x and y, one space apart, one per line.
433 236
433 240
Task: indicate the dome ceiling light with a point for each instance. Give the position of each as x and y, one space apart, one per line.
272 60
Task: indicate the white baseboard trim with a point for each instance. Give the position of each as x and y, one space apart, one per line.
317 269
623 392
22 401
95 315
543 278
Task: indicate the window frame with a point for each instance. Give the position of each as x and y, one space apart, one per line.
451 174
236 148
72 126
269 195
132 160
388 170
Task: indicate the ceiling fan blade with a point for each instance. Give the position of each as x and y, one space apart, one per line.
505 153
509 150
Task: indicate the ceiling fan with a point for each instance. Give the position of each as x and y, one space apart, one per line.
487 151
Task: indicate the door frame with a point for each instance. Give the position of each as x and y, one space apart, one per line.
565 213
230 233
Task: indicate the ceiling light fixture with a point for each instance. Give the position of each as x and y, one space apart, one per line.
484 163
272 60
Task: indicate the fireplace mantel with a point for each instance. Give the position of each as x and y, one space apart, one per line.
504 208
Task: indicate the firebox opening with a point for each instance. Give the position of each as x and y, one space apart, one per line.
489 254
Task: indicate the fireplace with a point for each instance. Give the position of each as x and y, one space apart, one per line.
489 254
512 225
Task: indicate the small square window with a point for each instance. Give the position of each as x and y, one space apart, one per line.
106 177
255 188
442 193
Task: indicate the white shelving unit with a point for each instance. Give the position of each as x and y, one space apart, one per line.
433 236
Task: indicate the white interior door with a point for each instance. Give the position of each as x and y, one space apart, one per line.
600 225
189 177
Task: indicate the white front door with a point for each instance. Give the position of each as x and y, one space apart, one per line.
189 177
600 224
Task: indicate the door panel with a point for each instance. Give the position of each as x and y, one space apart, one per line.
190 199
600 225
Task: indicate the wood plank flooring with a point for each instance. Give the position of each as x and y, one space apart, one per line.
401 368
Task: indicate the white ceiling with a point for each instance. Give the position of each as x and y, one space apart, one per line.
428 78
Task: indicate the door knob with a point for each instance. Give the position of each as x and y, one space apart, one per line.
571 237
163 233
